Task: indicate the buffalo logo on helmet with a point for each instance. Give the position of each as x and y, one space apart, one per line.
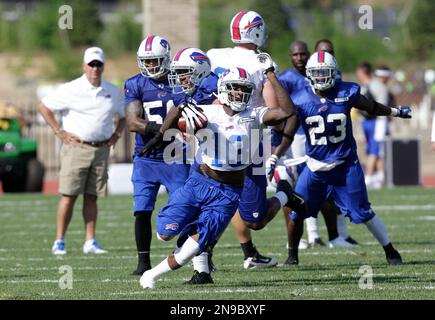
171 226
165 44
199 57
255 23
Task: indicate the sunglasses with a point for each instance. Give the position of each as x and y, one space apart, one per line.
97 64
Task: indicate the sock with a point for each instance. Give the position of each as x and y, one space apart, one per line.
377 228
312 229
342 226
160 269
142 228
200 263
282 198
293 253
248 249
188 250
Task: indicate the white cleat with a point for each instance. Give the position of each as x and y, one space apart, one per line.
147 281
58 248
92 247
339 242
303 244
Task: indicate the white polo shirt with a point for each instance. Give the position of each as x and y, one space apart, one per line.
433 128
87 111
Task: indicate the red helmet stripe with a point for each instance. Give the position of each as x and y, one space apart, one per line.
235 26
321 56
149 43
242 73
177 56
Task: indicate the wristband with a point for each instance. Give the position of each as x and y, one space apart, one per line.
395 112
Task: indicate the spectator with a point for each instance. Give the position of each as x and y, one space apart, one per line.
433 132
374 129
88 105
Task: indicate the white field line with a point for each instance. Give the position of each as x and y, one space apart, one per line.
125 257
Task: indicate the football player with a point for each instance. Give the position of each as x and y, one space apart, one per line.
327 46
294 81
148 96
248 33
202 209
333 168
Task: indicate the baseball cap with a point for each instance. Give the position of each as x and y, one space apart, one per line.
93 53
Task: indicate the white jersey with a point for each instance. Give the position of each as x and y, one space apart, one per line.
225 58
230 143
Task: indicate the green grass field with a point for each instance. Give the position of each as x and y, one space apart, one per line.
28 270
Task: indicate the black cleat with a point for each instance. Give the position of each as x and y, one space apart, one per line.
291 261
394 258
351 240
295 201
200 278
141 268
317 243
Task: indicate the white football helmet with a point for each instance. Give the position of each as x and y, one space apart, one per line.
188 68
321 69
229 84
248 27
154 47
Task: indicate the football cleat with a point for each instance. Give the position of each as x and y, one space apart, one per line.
303 244
351 240
58 248
295 201
92 247
339 242
317 243
291 261
258 261
200 278
147 281
394 258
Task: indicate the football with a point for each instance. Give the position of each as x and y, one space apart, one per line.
182 124
281 172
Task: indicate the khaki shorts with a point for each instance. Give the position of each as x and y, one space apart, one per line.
83 169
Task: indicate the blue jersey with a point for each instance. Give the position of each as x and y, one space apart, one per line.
327 122
205 94
157 98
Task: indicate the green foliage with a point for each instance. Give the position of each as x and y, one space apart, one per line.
121 35
87 24
422 29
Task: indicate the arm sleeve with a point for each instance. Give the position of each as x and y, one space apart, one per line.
433 128
58 99
131 92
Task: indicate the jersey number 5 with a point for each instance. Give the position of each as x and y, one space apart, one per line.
319 128
157 118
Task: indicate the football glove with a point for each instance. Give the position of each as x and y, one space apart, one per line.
266 62
151 128
404 112
270 166
152 145
194 116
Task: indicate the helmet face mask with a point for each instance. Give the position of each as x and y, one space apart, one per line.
235 90
153 57
188 68
321 69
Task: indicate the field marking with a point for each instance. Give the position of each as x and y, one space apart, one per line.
303 253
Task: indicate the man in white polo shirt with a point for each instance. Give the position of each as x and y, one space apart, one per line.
88 105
